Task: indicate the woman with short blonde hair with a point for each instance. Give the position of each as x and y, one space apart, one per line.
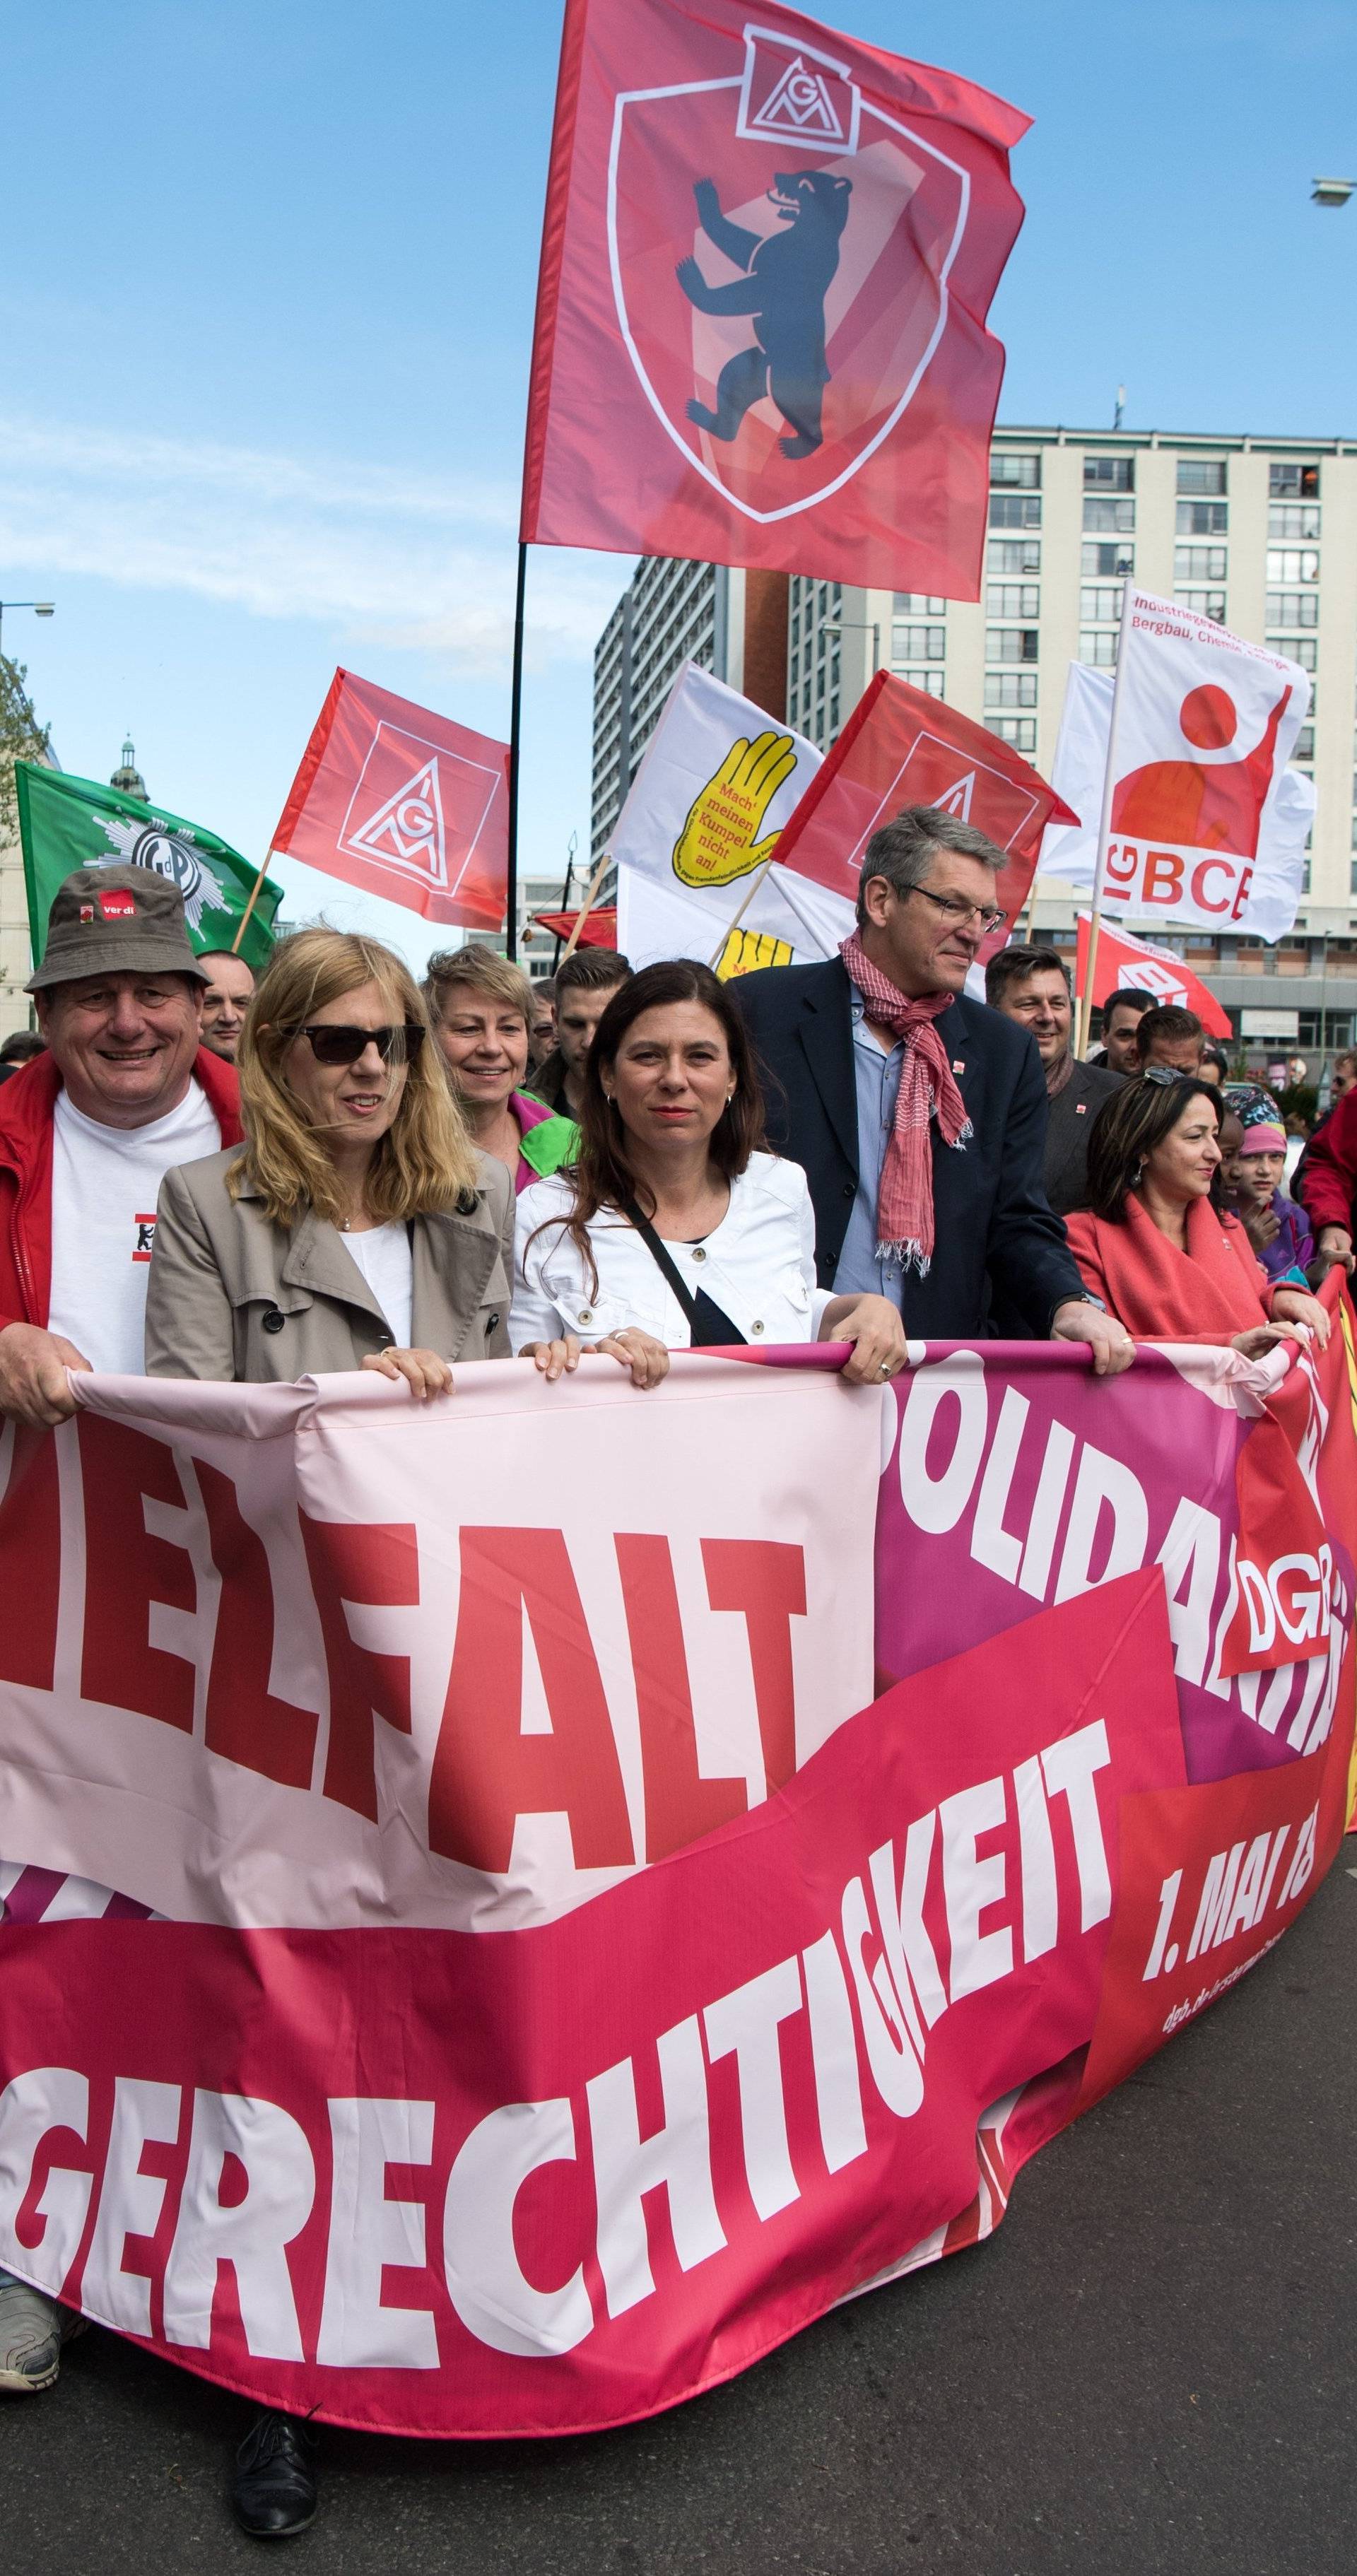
358 1226
482 1011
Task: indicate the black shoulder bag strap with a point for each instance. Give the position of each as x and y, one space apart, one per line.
660 1257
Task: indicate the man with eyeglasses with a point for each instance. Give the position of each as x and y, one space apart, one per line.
88 1131
919 1115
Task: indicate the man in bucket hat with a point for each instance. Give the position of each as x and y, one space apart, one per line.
87 1133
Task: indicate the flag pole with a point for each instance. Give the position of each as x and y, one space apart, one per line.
590 899
757 880
515 729
244 922
1104 821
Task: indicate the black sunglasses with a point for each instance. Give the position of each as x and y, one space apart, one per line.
333 1044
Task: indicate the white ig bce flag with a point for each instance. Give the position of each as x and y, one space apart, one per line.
694 842
1208 824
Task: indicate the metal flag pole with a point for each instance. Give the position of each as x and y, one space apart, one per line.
1105 820
515 728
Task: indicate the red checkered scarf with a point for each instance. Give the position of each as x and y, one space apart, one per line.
904 1211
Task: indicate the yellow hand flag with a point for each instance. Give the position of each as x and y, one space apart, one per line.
720 839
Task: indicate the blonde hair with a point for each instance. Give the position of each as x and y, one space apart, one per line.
424 1164
482 970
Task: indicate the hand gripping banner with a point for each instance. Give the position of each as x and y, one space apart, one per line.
548 1967
768 255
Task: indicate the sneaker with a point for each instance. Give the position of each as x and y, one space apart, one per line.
33 2328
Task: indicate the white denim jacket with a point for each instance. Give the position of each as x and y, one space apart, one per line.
758 1265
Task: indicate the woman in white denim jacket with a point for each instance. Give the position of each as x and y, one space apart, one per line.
674 1228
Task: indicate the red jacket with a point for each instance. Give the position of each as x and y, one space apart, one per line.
26 1106
1329 1182
1215 1289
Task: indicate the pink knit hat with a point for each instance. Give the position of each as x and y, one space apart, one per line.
1263 1139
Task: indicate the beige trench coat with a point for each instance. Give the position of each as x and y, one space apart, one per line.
233 1296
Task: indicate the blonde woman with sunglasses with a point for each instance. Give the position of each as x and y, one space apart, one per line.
358 1226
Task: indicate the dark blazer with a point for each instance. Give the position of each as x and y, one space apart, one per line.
992 1221
1071 1114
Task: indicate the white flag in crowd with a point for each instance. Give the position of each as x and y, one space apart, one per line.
1208 823
718 782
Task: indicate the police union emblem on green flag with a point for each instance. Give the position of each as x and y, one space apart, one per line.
67 823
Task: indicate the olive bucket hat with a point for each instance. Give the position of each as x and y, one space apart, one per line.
115 921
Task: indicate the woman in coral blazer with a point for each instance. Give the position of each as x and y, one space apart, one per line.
1155 1244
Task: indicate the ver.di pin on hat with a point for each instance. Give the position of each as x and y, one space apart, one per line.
115 921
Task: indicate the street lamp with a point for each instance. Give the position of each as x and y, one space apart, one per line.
865 626
40 608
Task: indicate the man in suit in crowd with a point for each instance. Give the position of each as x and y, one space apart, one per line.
1031 986
918 1115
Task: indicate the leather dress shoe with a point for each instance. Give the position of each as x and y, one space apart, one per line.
273 2490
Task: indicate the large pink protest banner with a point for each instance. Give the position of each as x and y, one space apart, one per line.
578 1978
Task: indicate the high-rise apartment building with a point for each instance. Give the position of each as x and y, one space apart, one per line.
1258 533
733 623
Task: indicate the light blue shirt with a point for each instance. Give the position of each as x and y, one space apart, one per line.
863 1268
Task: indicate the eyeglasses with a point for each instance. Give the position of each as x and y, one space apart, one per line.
1164 1074
958 914
332 1044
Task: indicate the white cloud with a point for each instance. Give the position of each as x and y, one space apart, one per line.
383 555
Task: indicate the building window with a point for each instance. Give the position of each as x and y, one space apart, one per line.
1021 731
1013 555
1305 743
1293 482
1293 520
1299 648
1106 562
1099 648
913 603
1100 607
1010 644
918 643
1293 608
1022 471
1206 603
1202 474
1013 599
1109 473
933 683
1200 563
1293 563
1015 509
1010 688
1203 518
1112 518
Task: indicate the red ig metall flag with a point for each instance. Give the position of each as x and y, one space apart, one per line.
768 256
403 803
901 747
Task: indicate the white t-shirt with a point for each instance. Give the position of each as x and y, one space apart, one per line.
105 1183
383 1256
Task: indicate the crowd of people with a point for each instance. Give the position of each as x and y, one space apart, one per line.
338 1168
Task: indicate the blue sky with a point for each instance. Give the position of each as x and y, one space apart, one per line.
266 315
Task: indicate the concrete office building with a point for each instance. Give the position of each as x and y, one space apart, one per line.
1259 533
733 623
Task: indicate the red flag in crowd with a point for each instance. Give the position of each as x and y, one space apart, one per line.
900 747
768 256
403 803
1122 960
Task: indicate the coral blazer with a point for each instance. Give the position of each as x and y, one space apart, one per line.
1215 1289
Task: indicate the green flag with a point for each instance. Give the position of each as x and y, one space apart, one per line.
67 823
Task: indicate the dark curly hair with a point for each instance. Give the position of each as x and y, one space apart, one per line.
1129 1126
602 1175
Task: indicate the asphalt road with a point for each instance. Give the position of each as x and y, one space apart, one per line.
1148 2369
